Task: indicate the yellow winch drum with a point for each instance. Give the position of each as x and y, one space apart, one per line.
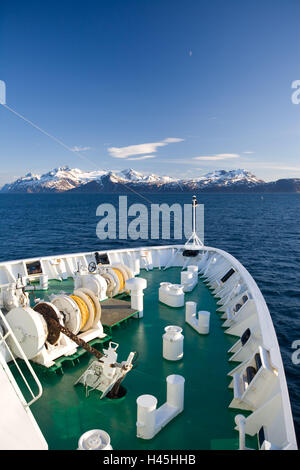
83 310
95 304
115 276
126 273
92 302
110 283
90 306
120 277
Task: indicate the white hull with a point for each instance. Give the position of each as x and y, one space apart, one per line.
267 396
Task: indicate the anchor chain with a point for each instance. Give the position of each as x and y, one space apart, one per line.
76 340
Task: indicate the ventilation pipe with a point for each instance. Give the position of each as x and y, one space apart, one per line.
136 285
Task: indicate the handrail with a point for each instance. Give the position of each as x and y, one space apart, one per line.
3 338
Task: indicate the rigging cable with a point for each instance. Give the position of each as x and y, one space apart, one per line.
60 142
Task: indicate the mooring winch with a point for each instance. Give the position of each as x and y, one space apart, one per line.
105 374
50 329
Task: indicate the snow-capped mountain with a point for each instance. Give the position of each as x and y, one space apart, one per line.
133 175
228 178
58 180
67 179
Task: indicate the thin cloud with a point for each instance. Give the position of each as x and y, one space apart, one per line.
141 149
172 140
144 157
248 153
80 149
263 165
180 161
287 168
219 156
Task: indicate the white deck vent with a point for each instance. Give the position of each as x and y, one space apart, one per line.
96 439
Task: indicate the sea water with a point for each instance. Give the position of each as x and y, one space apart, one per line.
261 231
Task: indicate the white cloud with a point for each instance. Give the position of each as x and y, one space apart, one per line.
288 168
219 156
141 149
144 157
263 165
80 149
248 153
181 161
171 140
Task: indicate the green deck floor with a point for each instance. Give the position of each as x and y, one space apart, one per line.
64 413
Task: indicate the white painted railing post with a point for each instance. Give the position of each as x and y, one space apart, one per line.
240 421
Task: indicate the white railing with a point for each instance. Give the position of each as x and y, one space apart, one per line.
3 338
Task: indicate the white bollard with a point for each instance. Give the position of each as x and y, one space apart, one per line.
186 277
203 322
173 343
190 310
189 278
200 324
136 285
151 420
146 416
171 294
96 439
193 269
175 391
43 282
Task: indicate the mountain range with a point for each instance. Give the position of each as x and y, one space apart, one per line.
74 180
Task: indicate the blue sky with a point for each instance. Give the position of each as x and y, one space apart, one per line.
205 84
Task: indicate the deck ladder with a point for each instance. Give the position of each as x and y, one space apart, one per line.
18 428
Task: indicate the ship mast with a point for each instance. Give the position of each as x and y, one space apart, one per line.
192 246
194 242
